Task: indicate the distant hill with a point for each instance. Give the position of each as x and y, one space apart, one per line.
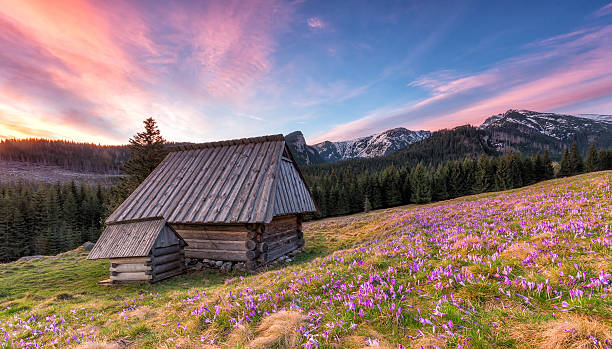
522 131
376 145
72 156
20 171
530 132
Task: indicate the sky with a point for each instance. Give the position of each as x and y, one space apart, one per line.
92 71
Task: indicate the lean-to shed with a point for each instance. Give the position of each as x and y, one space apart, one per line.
237 200
141 250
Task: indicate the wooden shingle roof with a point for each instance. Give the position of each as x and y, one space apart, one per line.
129 239
232 181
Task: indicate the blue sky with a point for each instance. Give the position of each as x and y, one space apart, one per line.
92 71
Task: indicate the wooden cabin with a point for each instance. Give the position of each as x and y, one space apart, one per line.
238 200
146 250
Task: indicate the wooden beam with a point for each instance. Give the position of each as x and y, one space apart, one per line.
216 235
127 260
167 274
222 245
129 268
219 255
140 276
162 268
161 251
166 259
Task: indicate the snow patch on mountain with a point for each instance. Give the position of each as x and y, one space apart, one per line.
379 144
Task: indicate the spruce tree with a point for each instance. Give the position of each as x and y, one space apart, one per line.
421 185
367 205
538 168
147 150
565 168
575 160
548 168
591 163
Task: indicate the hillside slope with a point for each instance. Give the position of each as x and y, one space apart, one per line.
520 268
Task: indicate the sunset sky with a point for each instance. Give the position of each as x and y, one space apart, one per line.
93 70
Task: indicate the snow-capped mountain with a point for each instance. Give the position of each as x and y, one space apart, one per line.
529 131
379 144
596 117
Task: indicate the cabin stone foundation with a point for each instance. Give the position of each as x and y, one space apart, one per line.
227 266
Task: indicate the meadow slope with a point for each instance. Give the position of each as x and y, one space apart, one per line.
524 268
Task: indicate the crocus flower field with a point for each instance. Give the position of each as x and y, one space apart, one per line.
525 268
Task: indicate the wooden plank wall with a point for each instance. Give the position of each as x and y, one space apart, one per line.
255 244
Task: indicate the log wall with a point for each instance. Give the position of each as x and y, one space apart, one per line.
281 236
222 242
254 244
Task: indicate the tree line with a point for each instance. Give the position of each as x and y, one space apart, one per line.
78 157
343 190
46 219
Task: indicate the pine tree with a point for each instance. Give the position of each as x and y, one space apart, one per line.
548 168
591 163
439 184
147 150
575 160
538 168
421 185
392 195
367 205
565 168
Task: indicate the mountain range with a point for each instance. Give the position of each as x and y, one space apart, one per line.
523 131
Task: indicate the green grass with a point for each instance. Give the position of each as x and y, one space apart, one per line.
412 246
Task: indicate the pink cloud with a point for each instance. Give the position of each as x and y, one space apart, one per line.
582 72
604 11
97 68
315 22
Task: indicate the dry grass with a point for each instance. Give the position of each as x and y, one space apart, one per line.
571 331
519 250
277 330
239 337
430 342
98 345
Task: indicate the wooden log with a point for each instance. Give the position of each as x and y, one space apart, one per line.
167 274
140 276
262 247
251 245
278 236
210 227
282 241
274 254
161 251
166 259
129 260
222 245
129 268
162 268
219 255
252 254
216 235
